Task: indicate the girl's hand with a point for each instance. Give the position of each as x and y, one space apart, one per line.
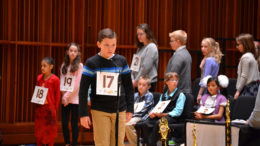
64 102
198 116
236 95
134 83
198 98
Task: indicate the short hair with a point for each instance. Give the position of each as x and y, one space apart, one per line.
179 35
247 41
145 77
106 33
169 75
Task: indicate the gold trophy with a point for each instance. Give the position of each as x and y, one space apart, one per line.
228 127
163 130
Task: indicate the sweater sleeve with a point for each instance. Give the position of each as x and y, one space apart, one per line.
148 61
245 66
85 81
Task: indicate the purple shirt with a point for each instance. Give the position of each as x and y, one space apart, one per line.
220 100
211 67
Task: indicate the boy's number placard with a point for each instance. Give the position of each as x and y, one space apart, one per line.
67 83
160 106
138 106
107 83
39 95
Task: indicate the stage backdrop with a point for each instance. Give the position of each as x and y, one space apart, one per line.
31 30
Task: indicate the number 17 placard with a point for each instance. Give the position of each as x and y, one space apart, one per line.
107 83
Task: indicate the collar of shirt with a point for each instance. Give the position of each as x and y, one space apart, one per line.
211 101
171 94
141 98
107 58
180 48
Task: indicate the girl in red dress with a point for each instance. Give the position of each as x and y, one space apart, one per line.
46 115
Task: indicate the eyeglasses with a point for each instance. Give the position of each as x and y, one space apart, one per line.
238 44
171 41
172 80
140 34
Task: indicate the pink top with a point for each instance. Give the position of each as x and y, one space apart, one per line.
72 97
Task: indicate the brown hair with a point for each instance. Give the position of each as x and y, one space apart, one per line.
145 77
75 63
106 33
247 41
149 34
169 75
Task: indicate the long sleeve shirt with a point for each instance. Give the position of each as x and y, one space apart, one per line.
73 97
177 111
254 119
148 99
247 71
105 103
149 62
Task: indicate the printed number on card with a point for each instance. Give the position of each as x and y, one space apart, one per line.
39 95
107 83
67 83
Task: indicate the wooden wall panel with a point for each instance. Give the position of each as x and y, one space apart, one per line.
31 30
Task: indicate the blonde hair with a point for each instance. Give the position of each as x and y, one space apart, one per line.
215 49
180 35
169 75
146 78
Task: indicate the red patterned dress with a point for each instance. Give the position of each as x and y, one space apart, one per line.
46 115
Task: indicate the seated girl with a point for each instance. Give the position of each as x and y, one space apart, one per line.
212 104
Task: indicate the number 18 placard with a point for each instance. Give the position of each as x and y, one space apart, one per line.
39 95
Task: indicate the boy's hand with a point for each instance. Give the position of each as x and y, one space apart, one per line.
85 122
152 115
128 116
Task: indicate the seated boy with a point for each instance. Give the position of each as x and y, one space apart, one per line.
172 112
144 99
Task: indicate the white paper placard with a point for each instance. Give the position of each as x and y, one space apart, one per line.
138 106
136 63
67 83
107 83
160 106
39 95
205 110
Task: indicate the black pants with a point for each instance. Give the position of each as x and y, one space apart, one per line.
150 129
65 111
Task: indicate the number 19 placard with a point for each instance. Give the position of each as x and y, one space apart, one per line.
39 95
107 83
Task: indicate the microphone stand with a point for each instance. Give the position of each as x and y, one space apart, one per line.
117 102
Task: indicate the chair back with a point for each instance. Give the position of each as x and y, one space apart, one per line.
195 88
156 97
242 107
231 89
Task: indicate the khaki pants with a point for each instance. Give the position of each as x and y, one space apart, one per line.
104 128
131 132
